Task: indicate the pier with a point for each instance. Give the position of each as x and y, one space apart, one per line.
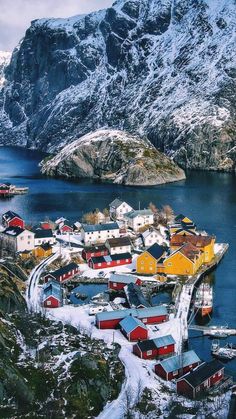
185 292
212 330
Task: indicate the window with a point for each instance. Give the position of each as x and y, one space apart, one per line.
114 284
99 264
108 263
219 374
142 262
169 264
149 352
28 242
49 303
118 262
175 373
165 347
144 320
29 237
197 389
127 260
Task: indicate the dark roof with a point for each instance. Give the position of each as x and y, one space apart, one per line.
45 246
202 373
110 258
88 228
135 296
146 345
156 250
95 248
63 270
9 215
119 242
180 217
42 233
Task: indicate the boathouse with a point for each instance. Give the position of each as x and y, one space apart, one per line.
151 315
148 260
42 251
94 251
110 261
197 382
155 348
52 295
184 261
133 329
203 243
11 219
178 365
117 282
64 273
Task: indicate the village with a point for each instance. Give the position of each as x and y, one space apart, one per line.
133 253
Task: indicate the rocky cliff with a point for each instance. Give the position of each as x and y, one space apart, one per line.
164 69
115 156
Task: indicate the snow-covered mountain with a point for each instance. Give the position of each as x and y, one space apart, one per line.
115 156
4 61
165 69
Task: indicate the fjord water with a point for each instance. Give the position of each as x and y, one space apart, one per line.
208 198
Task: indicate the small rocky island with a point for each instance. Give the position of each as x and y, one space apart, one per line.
114 156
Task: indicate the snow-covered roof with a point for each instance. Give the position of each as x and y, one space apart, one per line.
136 213
124 279
140 313
88 228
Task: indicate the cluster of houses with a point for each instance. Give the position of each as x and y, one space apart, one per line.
192 376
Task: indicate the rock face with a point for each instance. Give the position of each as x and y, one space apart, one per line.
164 69
115 156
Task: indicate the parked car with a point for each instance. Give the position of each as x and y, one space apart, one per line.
101 274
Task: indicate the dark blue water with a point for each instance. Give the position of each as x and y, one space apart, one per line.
208 198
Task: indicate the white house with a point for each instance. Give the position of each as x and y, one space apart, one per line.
150 237
99 233
43 236
139 218
118 245
118 208
16 239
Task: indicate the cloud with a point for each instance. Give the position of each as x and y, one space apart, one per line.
16 15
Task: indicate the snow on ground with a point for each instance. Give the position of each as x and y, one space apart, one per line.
139 373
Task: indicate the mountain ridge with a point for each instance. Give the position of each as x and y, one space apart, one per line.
162 69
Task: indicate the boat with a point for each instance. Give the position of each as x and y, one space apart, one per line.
203 303
225 353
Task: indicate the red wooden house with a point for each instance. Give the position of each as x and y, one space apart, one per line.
178 365
197 382
110 261
117 282
11 219
150 315
155 348
94 251
64 273
133 328
52 295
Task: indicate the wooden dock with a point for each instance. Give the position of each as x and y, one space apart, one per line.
184 296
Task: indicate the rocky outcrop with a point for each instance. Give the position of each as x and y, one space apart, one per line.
115 156
164 69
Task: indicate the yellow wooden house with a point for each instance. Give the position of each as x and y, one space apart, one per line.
182 225
203 243
42 251
147 262
184 261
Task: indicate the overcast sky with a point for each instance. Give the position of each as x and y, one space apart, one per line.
16 15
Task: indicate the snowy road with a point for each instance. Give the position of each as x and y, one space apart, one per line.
32 294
